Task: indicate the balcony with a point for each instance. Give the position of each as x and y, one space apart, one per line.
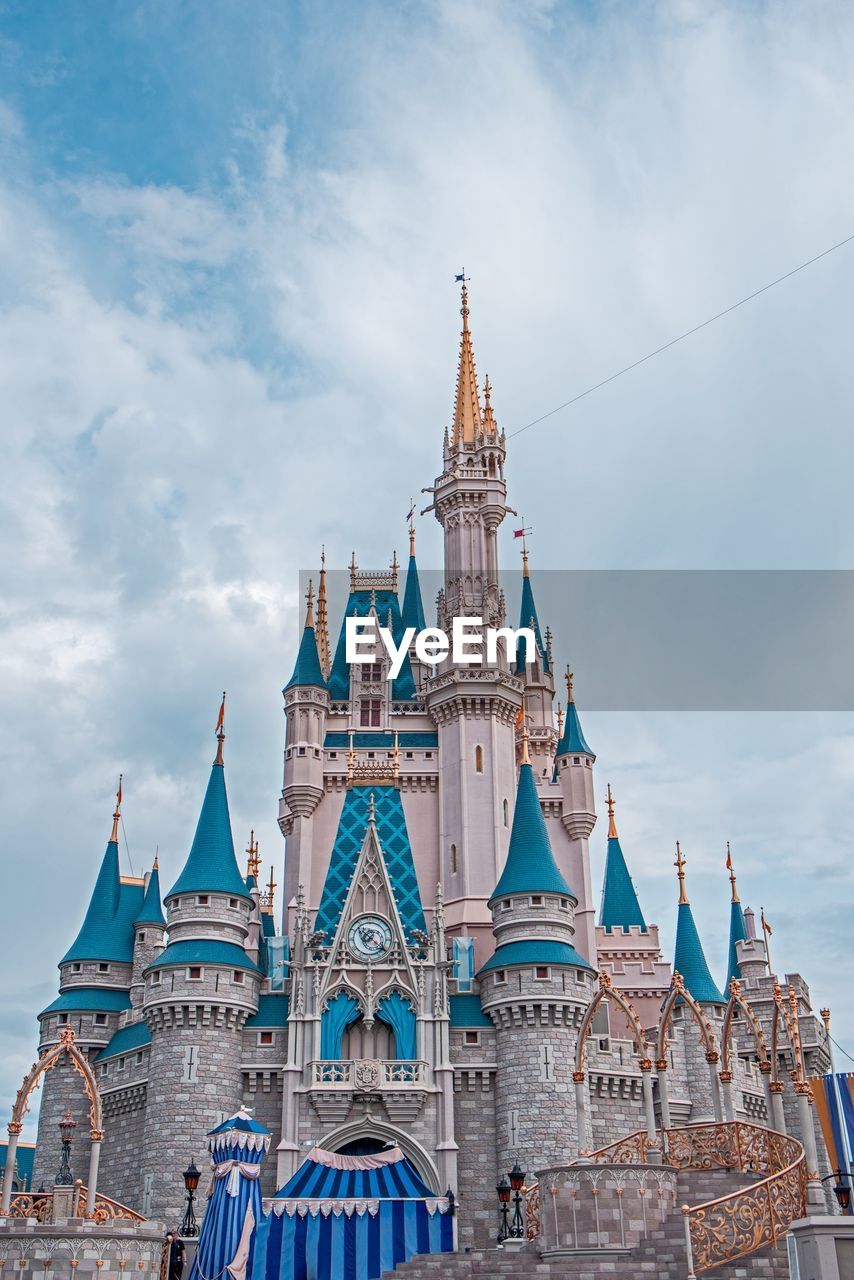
401 1086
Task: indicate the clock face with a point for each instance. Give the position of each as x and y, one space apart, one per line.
369 937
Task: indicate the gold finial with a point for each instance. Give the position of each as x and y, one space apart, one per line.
309 612
612 826
323 620
559 721
824 1014
156 866
412 526
220 731
117 813
731 871
468 420
253 859
353 568
526 759
394 568
490 426
570 676
679 864
271 889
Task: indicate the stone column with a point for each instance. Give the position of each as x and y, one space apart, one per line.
94 1160
585 1134
765 1069
778 1120
713 1058
649 1109
15 1127
815 1194
664 1101
729 1094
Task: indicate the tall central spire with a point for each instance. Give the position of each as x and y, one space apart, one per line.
468 417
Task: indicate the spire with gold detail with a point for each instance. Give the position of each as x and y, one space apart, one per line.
268 898
737 927
490 426
468 417
117 813
620 907
322 630
573 741
412 614
220 731
307 669
689 959
253 859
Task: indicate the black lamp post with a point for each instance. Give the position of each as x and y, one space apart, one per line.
66 1132
842 1189
190 1227
503 1192
517 1182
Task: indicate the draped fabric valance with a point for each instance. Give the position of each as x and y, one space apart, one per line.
338 1015
397 1013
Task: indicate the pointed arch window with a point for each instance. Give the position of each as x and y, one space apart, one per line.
478 759
336 1017
397 1013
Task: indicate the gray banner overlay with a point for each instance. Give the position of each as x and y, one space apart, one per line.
661 640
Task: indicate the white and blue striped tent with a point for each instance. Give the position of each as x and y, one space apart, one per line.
227 1237
350 1218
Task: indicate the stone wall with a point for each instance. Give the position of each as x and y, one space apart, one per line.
75 1247
262 1092
124 1133
474 1130
61 1088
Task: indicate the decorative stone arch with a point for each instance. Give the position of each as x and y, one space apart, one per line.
607 991
46 1062
346 989
371 1127
394 984
678 991
738 1003
788 1019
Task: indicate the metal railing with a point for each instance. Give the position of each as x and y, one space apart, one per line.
728 1227
39 1205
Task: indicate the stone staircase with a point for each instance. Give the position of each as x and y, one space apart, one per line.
661 1255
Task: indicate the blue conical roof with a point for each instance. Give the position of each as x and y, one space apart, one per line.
530 865
211 866
690 961
102 934
151 911
620 906
528 618
573 740
413 609
307 669
737 933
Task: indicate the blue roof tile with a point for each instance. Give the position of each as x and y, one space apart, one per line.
690 961
88 1000
535 951
151 911
204 951
136 1036
413 608
466 1011
273 1011
359 605
106 932
307 669
737 933
573 740
527 618
211 866
620 906
530 865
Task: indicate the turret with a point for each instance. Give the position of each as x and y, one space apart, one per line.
689 959
306 708
198 993
149 930
737 930
574 762
534 987
620 907
537 676
412 612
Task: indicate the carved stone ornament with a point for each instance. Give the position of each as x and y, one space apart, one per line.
368 1073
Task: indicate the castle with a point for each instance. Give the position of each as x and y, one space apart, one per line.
438 975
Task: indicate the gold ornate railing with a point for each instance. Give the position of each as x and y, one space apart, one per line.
731 1226
39 1205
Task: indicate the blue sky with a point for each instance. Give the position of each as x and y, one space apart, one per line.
228 333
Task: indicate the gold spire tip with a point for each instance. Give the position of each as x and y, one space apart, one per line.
679 864
309 612
117 813
559 721
612 826
570 677
526 759
220 730
731 871
468 417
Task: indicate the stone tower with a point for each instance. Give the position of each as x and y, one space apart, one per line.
198 994
474 707
574 762
534 988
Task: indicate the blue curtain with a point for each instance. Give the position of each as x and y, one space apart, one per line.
341 1011
397 1014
